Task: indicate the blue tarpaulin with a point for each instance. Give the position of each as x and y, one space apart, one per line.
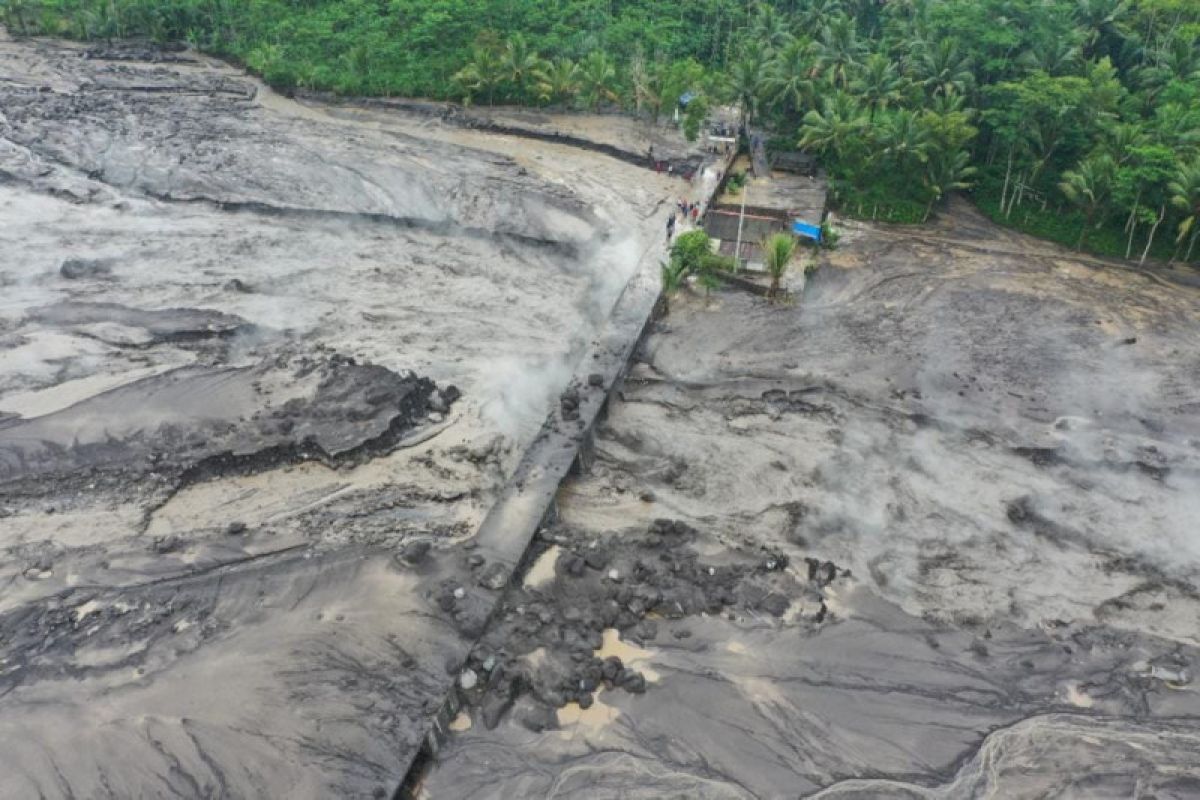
801 228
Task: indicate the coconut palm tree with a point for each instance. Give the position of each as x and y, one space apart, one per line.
597 79
815 13
1098 19
1052 55
1122 139
832 129
942 68
1178 127
481 75
789 82
747 81
1181 59
1087 187
839 50
944 173
558 82
1185 196
877 82
520 65
769 27
778 249
906 139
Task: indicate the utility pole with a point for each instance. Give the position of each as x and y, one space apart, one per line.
737 252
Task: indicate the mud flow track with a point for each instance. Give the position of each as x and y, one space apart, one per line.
275 377
265 368
929 533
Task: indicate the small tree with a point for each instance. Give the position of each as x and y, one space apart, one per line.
709 270
690 249
597 77
558 82
521 66
945 172
778 249
692 255
694 117
481 75
1185 196
673 274
1087 187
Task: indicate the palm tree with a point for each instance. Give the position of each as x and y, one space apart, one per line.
1185 196
558 81
1181 59
769 27
950 103
1098 18
942 68
1087 187
877 82
839 50
789 76
481 75
834 128
816 13
597 77
944 173
1177 126
1052 55
778 249
520 65
906 139
1122 139
747 81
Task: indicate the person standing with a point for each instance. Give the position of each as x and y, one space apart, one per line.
670 227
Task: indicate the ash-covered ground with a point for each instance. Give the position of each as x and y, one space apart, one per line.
264 367
930 532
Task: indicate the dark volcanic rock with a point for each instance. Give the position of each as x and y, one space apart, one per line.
79 268
612 584
197 422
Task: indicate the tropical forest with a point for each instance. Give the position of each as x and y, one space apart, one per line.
1074 120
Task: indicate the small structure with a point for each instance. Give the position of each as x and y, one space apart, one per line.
806 230
781 201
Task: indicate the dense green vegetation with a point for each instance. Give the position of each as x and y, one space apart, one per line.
1078 120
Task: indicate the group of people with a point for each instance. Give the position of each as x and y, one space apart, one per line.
684 209
688 209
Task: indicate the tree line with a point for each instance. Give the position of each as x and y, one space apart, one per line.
1078 120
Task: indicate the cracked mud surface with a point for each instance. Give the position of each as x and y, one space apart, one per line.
264 368
971 462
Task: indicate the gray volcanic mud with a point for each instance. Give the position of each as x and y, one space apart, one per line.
263 370
928 533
